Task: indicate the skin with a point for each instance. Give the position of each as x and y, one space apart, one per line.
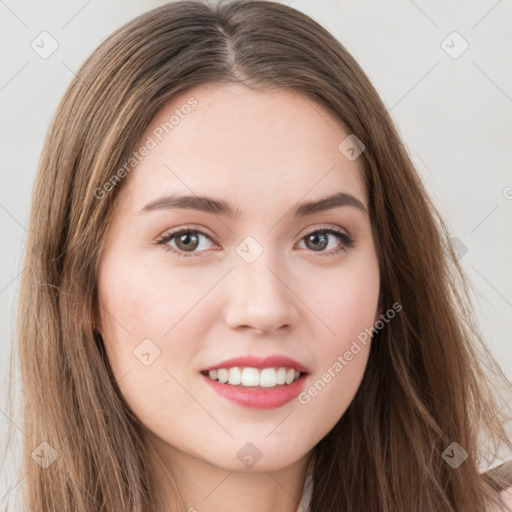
241 146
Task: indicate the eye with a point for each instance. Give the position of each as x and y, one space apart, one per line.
318 240
187 241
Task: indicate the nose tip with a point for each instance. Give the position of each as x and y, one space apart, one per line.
261 301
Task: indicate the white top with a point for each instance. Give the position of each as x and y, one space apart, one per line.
307 489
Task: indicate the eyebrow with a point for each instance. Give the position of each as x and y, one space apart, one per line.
219 207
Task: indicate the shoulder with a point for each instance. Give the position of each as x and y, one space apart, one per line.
506 496
501 476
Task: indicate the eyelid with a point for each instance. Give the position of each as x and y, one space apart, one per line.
204 231
347 241
322 227
198 227
170 233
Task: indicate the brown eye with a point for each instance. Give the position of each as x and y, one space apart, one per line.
318 241
187 241
184 241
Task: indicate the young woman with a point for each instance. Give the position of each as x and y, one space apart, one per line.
240 295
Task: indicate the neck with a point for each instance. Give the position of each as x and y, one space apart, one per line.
187 483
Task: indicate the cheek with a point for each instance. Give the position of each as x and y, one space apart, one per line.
347 312
145 341
147 328
346 302
131 314
341 355
144 300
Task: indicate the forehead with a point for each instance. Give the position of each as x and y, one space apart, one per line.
240 144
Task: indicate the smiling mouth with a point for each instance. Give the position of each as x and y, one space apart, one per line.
247 377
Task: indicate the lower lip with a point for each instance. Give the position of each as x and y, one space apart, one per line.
259 398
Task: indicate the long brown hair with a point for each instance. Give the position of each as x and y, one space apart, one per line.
427 382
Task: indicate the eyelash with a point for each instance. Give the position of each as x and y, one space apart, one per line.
347 241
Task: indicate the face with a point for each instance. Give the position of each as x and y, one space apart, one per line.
183 290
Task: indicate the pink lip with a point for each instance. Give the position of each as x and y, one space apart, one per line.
275 361
259 398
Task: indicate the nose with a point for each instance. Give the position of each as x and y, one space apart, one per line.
260 299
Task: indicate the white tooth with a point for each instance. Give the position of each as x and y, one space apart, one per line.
253 377
281 376
223 375
268 378
290 375
250 377
235 376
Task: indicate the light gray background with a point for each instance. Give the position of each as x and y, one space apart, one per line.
454 115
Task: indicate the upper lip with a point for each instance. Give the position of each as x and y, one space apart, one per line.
260 362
